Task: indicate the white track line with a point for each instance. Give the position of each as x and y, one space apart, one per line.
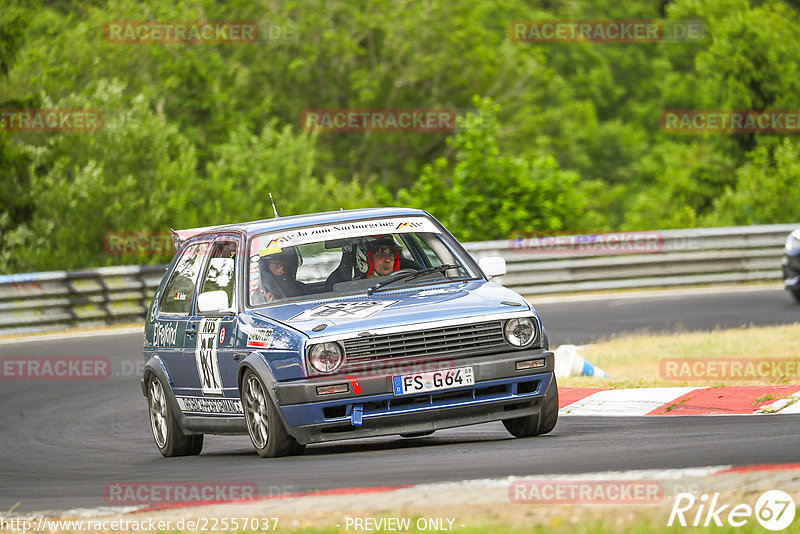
625 402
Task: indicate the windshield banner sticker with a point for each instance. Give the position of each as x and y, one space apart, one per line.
394 225
345 310
206 356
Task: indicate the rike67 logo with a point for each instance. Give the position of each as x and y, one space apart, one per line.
774 510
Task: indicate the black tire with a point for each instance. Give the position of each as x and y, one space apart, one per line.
266 430
795 293
169 438
541 423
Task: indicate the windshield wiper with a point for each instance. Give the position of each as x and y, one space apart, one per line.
411 276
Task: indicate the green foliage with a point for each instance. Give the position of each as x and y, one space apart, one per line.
16 202
682 181
483 194
766 189
137 173
13 22
249 167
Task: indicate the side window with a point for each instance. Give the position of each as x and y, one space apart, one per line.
179 291
221 274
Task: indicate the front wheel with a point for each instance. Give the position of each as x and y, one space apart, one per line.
170 439
541 423
266 430
795 293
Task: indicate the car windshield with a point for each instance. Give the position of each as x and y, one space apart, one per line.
346 258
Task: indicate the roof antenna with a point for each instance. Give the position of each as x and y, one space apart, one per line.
273 206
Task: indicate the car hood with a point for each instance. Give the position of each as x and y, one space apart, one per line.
357 313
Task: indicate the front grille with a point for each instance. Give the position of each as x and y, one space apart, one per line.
450 341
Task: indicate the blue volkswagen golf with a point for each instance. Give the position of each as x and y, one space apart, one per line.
339 325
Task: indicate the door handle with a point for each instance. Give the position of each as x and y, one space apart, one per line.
190 331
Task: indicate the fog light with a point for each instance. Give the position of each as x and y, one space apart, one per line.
530 364
329 390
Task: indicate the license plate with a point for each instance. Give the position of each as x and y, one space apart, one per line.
433 381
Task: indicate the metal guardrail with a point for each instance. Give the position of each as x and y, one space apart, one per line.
38 302
678 257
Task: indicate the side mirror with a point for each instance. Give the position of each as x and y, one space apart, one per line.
213 301
493 266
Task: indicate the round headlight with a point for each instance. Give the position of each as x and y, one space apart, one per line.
520 332
326 357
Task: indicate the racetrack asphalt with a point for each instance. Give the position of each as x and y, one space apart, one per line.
62 442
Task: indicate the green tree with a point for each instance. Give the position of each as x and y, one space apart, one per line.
249 167
16 203
137 173
483 194
766 189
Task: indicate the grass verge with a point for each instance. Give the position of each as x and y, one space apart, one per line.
636 360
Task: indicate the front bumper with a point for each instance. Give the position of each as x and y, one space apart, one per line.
500 392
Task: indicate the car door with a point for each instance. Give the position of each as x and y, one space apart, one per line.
172 313
212 351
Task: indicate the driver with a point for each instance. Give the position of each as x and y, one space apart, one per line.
383 256
278 272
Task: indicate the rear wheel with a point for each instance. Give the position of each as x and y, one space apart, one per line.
795 293
170 439
541 423
266 430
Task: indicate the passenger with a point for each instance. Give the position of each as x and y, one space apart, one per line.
278 276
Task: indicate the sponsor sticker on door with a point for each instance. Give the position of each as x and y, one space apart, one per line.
206 356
